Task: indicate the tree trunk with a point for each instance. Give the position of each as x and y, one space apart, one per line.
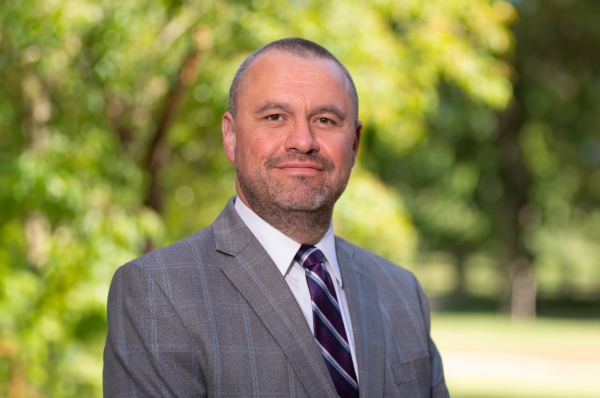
158 152
521 289
460 256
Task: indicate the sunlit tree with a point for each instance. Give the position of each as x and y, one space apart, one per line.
109 119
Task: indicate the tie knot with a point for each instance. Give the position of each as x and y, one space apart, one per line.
309 256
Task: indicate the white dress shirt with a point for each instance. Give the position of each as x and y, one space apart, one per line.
282 250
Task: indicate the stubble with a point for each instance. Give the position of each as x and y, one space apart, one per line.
297 206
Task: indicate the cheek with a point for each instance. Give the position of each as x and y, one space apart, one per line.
252 153
264 145
341 153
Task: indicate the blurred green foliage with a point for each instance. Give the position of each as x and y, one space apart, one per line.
509 200
110 146
558 117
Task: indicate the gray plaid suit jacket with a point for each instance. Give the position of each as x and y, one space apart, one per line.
211 315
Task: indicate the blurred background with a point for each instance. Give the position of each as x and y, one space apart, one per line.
479 169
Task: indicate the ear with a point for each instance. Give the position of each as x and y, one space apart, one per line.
228 131
357 136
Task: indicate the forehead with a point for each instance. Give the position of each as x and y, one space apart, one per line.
276 73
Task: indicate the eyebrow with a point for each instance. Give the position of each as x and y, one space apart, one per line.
270 106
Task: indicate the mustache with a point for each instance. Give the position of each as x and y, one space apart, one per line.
277 160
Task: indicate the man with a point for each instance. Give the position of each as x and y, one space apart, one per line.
266 302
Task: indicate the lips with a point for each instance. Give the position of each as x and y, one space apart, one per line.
299 162
300 166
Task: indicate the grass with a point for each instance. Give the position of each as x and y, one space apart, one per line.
490 356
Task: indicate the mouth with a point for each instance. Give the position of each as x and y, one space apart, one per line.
301 167
296 163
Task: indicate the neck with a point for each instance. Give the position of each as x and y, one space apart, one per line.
304 227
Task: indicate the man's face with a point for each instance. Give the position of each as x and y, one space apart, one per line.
294 139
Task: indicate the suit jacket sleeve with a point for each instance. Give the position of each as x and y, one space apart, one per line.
139 360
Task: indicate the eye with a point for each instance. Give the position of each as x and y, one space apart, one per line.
324 120
274 118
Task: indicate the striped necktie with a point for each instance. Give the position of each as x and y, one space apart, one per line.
328 323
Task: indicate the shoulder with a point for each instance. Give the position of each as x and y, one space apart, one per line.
177 272
186 249
193 250
396 288
379 266
195 258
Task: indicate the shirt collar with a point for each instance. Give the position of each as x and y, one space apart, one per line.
280 247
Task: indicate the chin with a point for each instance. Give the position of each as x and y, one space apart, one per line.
299 203
305 200
298 194
299 207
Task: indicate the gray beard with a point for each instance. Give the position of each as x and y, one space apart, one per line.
305 214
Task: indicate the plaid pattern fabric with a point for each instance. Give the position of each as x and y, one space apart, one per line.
212 316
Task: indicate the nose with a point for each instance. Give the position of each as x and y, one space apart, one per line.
301 138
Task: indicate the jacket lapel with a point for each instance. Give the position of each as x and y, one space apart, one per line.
361 295
257 278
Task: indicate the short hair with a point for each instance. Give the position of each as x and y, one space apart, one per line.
294 46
